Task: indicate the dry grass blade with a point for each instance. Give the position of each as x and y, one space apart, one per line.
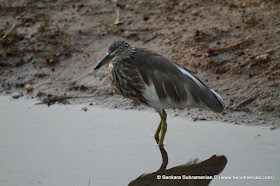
235 45
9 31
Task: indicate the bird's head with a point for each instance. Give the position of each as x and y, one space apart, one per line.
117 51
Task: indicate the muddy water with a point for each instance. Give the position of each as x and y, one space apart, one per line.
63 145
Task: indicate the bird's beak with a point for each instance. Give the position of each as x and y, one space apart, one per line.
104 61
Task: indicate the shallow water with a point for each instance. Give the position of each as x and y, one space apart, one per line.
63 145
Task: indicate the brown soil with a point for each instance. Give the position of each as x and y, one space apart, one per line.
233 46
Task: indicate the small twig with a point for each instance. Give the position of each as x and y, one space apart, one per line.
7 33
117 21
60 50
235 45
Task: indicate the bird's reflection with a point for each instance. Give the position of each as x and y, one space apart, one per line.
182 174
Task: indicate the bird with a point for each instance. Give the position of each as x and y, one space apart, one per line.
151 79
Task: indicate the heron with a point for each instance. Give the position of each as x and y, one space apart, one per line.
151 79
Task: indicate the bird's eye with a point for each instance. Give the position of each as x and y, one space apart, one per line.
117 51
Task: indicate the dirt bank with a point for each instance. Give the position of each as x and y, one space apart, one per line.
233 46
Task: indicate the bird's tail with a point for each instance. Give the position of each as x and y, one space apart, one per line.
214 101
202 93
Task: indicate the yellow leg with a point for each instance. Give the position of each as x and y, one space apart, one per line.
163 127
162 135
158 131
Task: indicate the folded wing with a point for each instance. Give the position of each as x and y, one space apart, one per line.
171 85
